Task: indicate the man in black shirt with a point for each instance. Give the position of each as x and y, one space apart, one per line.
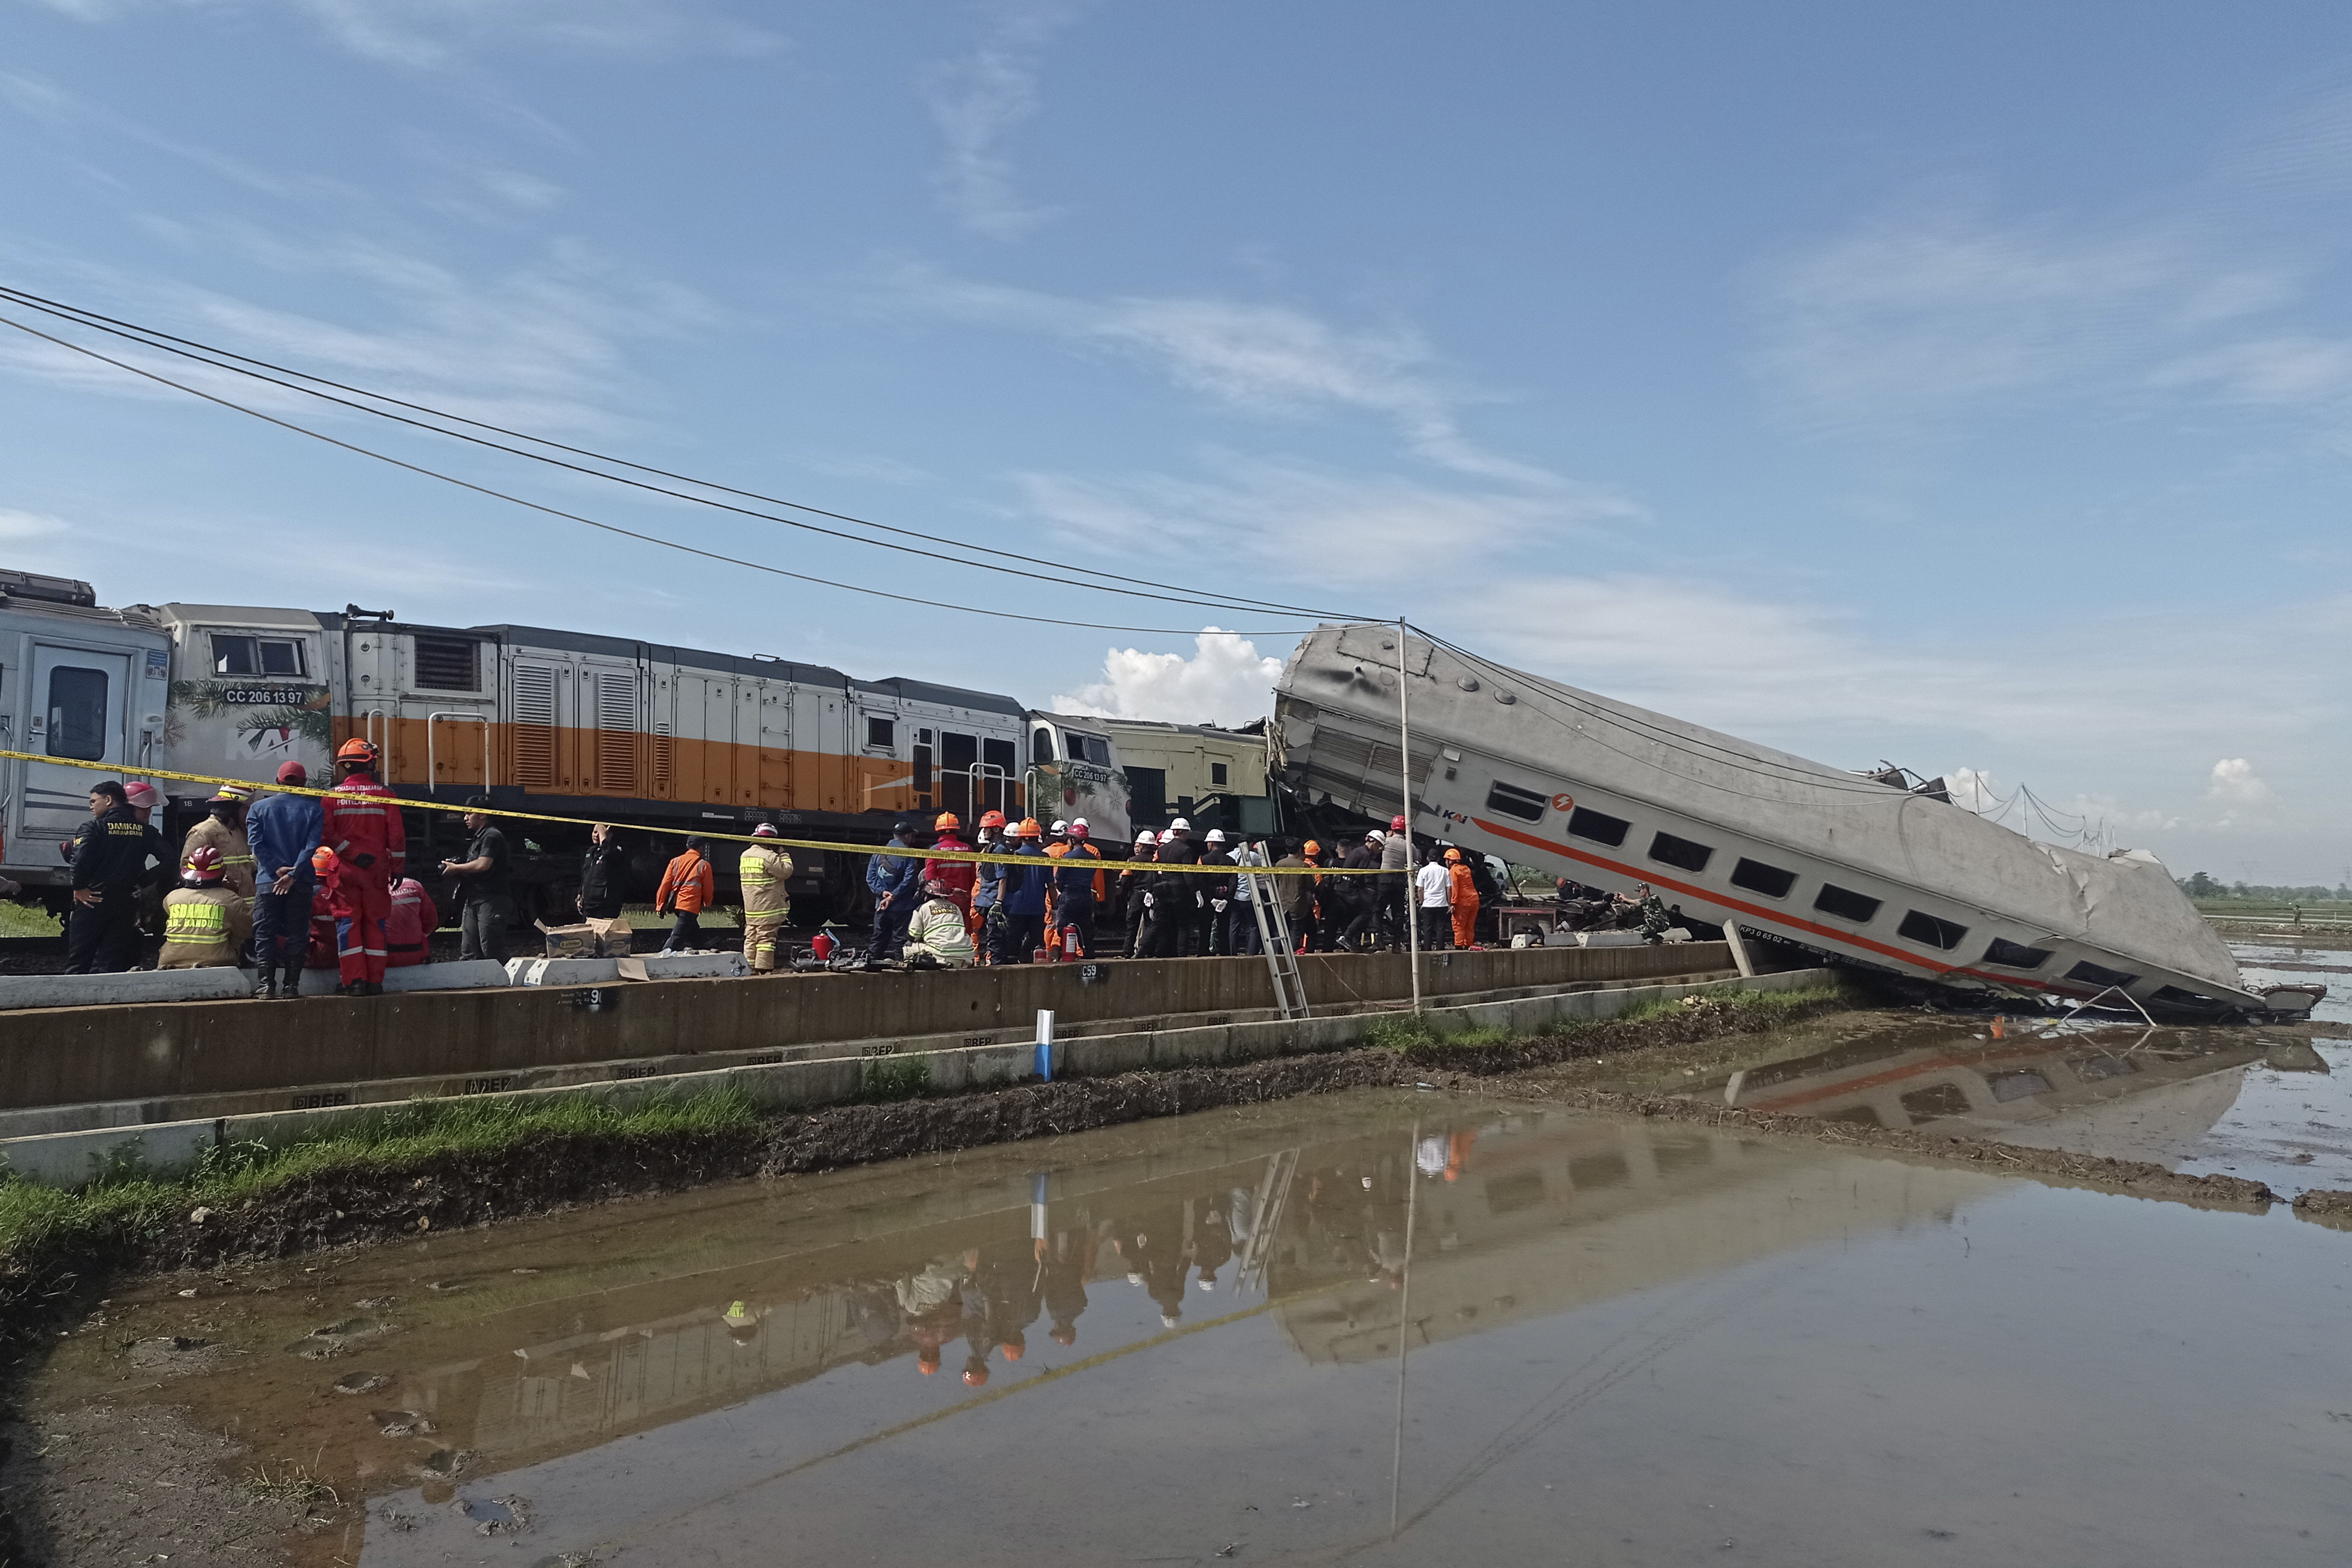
603 875
481 877
110 854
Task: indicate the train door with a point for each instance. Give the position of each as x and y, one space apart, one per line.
443 735
959 768
371 687
538 693
775 739
76 706
706 751
878 731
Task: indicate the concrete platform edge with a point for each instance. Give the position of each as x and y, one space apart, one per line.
65 1159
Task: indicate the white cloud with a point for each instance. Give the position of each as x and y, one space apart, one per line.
2234 780
1225 681
1972 788
978 102
15 525
1261 359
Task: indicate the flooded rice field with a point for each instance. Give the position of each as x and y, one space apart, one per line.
1385 1327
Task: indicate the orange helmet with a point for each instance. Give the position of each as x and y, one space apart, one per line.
1313 847
203 864
356 750
1454 854
1012 1353
323 860
1028 829
975 1376
992 820
945 820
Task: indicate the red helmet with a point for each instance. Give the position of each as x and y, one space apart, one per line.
975 1376
1396 824
203 864
356 750
992 820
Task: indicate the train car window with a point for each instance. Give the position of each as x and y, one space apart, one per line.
1217 773
2105 1064
881 734
923 769
234 656
2095 974
449 664
1758 878
1599 826
78 713
1936 1100
1087 748
281 656
1041 746
1690 856
1926 928
2016 956
1845 905
2009 1085
1512 801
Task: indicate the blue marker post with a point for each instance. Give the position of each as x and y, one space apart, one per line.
1045 1044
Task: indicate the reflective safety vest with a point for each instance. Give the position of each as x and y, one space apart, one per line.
204 928
237 855
765 872
196 924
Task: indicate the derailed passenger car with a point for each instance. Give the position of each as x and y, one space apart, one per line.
1739 834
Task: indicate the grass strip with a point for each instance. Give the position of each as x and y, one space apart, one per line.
1418 1038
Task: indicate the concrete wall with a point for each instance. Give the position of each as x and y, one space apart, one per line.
76 1055
66 1158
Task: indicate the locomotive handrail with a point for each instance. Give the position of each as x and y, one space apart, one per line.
453 716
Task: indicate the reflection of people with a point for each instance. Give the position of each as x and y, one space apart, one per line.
1064 1281
931 1305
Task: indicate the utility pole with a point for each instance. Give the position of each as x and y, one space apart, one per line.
1404 792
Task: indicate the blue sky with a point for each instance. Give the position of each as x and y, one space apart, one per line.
1968 387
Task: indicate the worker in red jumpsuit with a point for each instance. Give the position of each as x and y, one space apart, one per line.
956 876
362 826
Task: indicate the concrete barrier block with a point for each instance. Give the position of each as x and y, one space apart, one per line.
693 965
562 970
470 975
139 985
1610 939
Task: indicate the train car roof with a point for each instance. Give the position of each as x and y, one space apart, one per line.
241 615
692 658
909 689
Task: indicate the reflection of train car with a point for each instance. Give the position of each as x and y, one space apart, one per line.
570 723
1853 866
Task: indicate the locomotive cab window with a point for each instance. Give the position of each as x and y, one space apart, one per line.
1599 826
1087 748
258 656
1512 801
1758 878
881 734
1920 927
1690 856
1859 908
1040 745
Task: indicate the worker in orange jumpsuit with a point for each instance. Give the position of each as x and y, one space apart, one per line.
688 886
361 825
1466 900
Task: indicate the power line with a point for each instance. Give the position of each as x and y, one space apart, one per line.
590 522
220 358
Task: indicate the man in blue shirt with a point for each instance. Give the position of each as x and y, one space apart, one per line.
283 831
1025 897
896 881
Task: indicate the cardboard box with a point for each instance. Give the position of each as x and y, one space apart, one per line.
591 939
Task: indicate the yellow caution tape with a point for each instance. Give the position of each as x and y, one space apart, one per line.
905 853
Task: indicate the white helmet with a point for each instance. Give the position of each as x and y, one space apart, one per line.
1376 836
1078 822
1146 837
1060 826
1180 826
1216 835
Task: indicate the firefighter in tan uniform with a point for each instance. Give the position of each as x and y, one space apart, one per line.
205 924
224 830
765 870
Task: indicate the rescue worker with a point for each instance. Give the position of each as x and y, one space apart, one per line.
939 931
1359 897
1128 890
282 831
205 925
361 823
1241 920
688 887
891 881
223 828
484 896
603 875
1175 896
114 855
1396 867
1436 884
408 929
1302 893
988 887
1024 898
956 876
766 872
1464 901
1216 895
1645 910
1078 885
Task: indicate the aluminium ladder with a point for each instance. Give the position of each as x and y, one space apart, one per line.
1274 936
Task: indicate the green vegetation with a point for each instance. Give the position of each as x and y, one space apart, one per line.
121 1205
2205 889
894 1078
1750 1010
28 919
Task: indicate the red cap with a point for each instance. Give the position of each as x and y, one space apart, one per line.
293 773
1396 824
